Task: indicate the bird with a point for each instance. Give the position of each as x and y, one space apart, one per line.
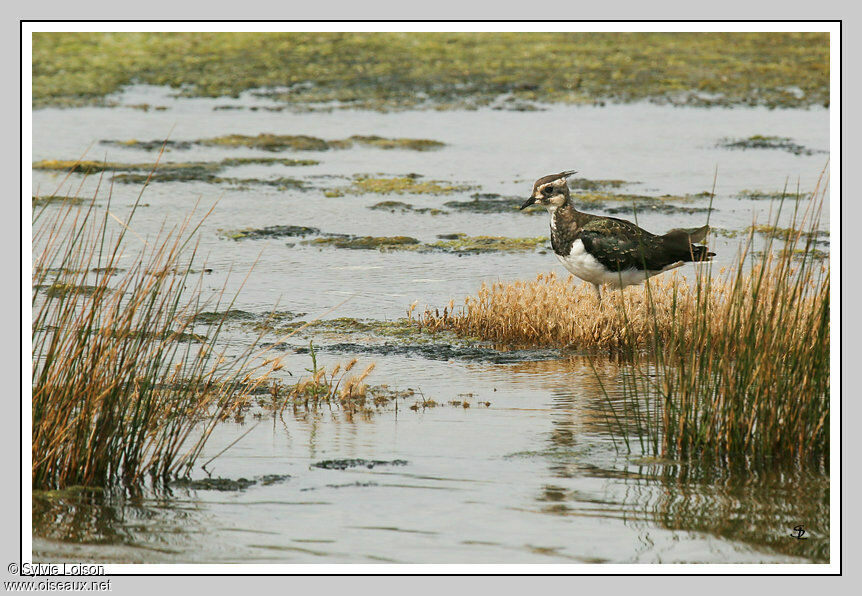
608 250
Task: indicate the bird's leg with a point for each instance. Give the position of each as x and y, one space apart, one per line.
598 293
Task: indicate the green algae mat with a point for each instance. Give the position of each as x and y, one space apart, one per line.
386 71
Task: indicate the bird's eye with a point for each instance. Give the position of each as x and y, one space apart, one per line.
547 190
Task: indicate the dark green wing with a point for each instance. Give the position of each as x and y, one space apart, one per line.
619 245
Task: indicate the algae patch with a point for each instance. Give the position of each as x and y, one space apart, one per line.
266 321
144 107
269 142
367 242
155 145
599 197
87 167
451 243
788 233
663 208
343 464
269 232
632 203
274 142
463 351
588 184
398 329
280 183
384 143
192 171
64 289
463 244
490 203
39 201
211 317
779 233
192 168
409 184
401 207
768 142
341 325
227 484
277 142
268 161
801 254
765 195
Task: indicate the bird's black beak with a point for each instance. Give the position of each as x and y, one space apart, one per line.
527 203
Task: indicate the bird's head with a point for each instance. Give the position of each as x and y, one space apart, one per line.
550 191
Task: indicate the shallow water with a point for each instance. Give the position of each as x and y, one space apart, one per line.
534 477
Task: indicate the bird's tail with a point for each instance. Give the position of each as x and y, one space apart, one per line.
684 239
693 234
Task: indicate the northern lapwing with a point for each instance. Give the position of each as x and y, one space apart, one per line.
609 250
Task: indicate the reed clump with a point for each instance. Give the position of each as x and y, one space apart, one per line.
751 378
123 391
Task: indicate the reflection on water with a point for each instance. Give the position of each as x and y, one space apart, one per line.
760 507
149 525
754 505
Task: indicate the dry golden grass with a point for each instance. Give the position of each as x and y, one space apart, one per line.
550 311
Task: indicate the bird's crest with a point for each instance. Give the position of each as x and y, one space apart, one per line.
555 179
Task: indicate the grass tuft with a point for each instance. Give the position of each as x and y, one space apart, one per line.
328 387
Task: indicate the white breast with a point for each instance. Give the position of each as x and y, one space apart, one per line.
585 266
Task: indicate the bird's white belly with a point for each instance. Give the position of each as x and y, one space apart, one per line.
585 266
